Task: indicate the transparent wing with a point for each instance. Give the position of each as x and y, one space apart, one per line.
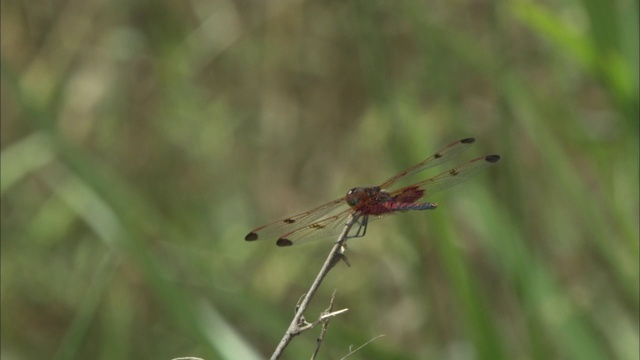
329 226
449 152
446 179
285 226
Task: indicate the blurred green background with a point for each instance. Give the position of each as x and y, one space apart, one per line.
141 140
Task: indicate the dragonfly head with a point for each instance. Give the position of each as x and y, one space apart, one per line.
360 195
353 196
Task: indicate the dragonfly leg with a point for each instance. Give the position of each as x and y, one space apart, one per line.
362 221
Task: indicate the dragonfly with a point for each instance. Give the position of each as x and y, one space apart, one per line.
374 201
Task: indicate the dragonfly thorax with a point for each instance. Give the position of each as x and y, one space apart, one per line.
360 196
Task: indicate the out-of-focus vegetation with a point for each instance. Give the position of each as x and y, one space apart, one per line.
141 140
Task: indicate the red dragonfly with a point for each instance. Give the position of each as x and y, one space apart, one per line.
376 201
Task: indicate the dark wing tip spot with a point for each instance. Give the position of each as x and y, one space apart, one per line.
251 236
468 141
492 158
284 242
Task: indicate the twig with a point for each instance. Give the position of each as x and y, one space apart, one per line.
360 347
325 324
298 325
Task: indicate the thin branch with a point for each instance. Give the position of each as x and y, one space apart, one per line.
298 324
325 317
325 324
360 347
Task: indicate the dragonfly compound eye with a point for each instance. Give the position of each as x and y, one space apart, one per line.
353 196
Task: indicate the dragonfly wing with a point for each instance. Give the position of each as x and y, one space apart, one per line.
329 226
444 180
449 152
290 224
